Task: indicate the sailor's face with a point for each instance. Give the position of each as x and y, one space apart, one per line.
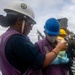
27 28
51 38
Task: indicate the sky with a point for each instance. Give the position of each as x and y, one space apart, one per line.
45 9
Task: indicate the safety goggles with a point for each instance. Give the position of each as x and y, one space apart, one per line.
29 20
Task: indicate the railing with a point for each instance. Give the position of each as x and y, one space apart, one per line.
40 35
73 67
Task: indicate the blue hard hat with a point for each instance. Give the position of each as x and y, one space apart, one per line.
52 27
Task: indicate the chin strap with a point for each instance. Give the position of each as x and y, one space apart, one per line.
23 25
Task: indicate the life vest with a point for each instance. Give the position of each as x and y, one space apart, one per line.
6 67
51 69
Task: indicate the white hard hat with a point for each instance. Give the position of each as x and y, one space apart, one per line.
21 7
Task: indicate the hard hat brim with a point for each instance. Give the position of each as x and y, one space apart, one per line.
52 33
7 11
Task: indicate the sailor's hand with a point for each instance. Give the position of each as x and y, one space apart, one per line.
62 45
